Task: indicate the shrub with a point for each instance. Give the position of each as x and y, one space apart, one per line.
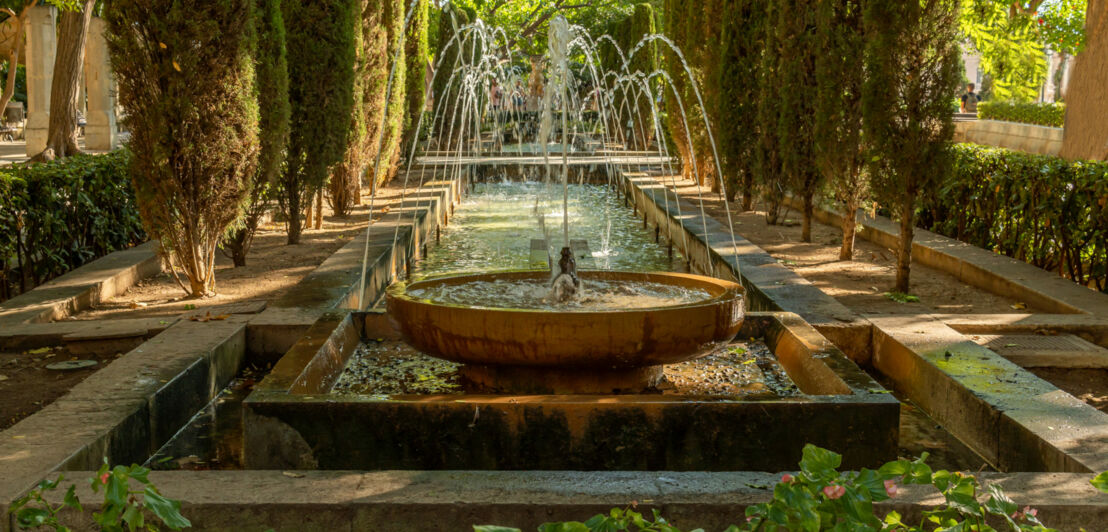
1044 210
1041 114
272 91
321 82
57 216
186 77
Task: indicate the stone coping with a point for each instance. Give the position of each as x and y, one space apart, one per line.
984 269
769 285
83 287
126 410
291 420
1013 419
455 500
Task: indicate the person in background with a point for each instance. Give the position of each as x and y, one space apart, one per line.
969 100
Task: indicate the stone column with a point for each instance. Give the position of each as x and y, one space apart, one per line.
42 45
100 130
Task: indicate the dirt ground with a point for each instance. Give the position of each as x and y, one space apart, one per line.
272 268
26 385
1089 385
859 284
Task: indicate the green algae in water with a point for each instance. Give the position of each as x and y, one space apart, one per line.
496 222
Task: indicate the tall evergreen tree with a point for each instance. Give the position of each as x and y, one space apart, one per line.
321 83
840 73
186 77
416 54
742 39
913 66
271 88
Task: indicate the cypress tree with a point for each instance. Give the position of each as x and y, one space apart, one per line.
186 77
393 129
840 152
321 82
913 66
631 103
272 91
768 156
445 91
416 52
742 38
796 96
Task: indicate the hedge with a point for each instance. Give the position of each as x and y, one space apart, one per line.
57 216
1044 210
1042 114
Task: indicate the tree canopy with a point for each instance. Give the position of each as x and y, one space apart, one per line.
525 21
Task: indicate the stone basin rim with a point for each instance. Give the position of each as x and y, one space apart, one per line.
719 289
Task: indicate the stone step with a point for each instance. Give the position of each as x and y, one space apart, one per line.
1041 351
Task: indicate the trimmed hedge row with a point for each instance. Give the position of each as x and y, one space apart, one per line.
1041 114
1043 210
57 216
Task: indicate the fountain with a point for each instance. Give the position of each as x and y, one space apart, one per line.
507 343
589 348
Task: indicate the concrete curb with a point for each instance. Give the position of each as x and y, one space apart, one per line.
79 289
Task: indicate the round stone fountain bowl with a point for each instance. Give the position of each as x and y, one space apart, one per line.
574 350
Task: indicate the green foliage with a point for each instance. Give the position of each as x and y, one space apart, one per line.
321 58
820 498
186 77
901 297
913 65
1044 210
451 51
1013 37
744 24
631 101
271 88
1042 114
839 149
797 94
1100 482
525 21
416 54
59 215
393 128
123 508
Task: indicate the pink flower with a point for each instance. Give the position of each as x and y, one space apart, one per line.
834 491
787 478
890 487
104 478
1027 510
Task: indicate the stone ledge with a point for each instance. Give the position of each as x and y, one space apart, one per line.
1091 328
83 287
128 409
1013 419
456 500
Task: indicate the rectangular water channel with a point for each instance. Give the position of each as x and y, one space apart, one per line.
352 395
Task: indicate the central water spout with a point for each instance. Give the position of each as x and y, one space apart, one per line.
566 283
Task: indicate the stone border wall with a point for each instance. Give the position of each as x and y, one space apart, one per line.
1030 138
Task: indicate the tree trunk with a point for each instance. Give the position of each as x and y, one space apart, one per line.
849 226
72 31
13 61
748 192
295 228
806 223
904 251
319 209
1086 134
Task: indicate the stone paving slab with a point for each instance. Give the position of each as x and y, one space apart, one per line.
1013 419
83 287
126 410
456 500
33 335
1091 328
1039 351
